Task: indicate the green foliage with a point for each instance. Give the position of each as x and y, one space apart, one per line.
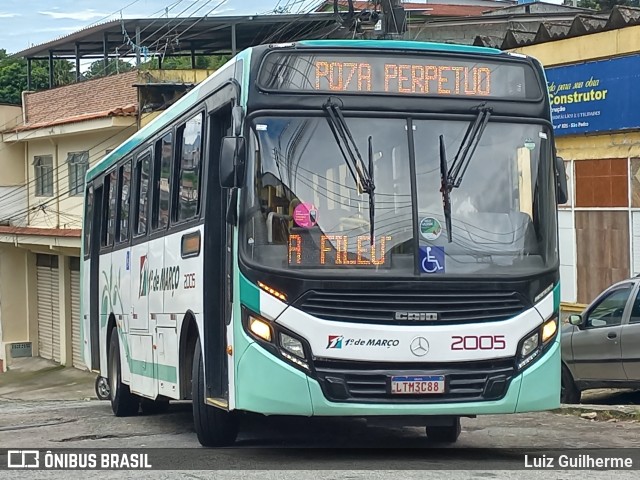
96 69
13 72
13 76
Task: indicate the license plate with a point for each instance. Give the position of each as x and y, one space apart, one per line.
418 385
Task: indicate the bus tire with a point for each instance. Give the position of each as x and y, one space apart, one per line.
445 434
215 427
152 407
123 402
569 393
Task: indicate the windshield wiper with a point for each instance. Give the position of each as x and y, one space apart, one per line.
451 178
361 175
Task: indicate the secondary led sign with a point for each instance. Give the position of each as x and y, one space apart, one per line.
332 251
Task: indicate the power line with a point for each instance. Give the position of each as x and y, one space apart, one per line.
59 179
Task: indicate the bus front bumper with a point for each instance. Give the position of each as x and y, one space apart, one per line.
265 384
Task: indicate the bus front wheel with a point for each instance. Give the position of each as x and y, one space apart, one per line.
215 427
445 433
123 402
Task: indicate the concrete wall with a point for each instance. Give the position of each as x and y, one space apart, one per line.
173 76
14 317
10 116
13 192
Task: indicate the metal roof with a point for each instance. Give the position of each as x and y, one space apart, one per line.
180 35
545 31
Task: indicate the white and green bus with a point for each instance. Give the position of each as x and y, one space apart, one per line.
333 228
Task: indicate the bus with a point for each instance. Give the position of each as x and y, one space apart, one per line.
339 228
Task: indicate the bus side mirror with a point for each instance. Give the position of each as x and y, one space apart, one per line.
561 182
231 161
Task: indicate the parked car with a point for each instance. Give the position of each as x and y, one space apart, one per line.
601 346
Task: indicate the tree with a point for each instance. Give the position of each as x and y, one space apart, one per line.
96 69
13 76
12 79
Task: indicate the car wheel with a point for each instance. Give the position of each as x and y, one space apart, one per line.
569 393
123 402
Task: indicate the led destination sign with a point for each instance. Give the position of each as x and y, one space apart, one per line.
330 251
398 75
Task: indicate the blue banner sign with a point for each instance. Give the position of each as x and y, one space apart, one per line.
597 96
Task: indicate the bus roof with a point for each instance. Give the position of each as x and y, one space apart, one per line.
186 102
400 45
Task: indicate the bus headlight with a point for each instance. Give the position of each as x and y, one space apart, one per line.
260 328
549 329
535 342
277 339
292 345
529 345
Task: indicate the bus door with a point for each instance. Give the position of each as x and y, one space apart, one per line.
217 237
94 278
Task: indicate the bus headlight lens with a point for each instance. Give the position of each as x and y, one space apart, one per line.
260 328
537 341
529 345
292 345
549 329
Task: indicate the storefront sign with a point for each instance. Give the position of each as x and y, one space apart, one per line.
595 96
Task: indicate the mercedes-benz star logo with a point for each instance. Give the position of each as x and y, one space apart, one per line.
419 346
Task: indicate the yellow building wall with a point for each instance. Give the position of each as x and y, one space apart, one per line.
97 143
10 116
11 155
173 76
585 47
13 296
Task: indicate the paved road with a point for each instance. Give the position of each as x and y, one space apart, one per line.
342 448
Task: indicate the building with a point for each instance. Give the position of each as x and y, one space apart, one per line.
421 10
593 69
47 145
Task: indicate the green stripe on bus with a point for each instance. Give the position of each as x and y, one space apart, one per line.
166 373
556 297
249 294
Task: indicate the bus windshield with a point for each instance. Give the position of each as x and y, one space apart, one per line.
303 211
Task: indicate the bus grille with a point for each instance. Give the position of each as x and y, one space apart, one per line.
343 381
382 306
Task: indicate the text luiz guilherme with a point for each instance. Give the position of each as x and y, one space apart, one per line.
581 461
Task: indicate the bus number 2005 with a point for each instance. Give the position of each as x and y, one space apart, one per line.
475 342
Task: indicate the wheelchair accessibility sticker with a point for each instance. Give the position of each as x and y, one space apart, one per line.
432 259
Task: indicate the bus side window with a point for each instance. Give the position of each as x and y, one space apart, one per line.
109 223
124 192
88 221
162 184
142 189
188 169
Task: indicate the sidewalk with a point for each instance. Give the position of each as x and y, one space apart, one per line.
32 379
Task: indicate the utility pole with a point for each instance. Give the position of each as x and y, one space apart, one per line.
394 21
